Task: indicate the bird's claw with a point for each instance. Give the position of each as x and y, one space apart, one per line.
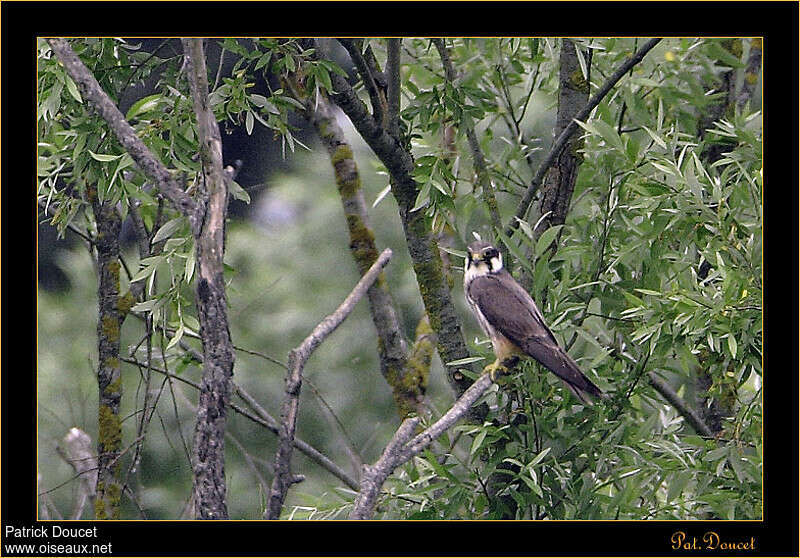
498 369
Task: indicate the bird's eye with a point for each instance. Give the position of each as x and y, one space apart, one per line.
490 253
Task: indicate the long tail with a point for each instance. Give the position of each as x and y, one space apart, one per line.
555 359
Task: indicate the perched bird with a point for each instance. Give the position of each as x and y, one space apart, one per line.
509 316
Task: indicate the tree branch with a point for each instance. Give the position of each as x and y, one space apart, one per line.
478 160
76 450
264 419
392 346
561 141
680 405
393 86
377 95
142 156
298 357
422 247
402 448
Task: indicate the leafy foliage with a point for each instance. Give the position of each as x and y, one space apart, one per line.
658 268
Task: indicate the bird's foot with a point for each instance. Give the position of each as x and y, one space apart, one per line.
498 369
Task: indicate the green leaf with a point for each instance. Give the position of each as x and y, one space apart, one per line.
191 322
143 105
382 194
732 344
145 272
168 229
655 137
238 192
463 361
679 481
422 197
175 338
189 268
541 455
478 441
73 89
460 253
248 122
609 134
103 157
145 306
547 239
649 292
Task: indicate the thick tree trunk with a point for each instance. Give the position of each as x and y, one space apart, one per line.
209 488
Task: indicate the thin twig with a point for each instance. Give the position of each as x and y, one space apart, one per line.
264 419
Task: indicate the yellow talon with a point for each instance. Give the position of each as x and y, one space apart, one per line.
498 368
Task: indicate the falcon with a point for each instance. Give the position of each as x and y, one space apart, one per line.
511 319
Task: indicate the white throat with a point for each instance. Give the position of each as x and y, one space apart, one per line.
479 268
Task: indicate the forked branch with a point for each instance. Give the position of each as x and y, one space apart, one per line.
297 360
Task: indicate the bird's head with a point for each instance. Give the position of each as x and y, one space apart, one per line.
482 259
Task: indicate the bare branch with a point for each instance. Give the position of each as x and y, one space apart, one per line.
561 141
264 419
298 357
400 449
76 449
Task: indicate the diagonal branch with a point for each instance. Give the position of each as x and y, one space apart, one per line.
298 357
422 247
402 448
689 414
561 141
142 156
369 75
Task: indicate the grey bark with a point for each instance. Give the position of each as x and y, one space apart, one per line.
298 357
208 487
573 93
403 447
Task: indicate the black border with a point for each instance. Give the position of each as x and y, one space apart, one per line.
776 21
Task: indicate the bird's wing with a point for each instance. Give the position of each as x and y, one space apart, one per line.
511 310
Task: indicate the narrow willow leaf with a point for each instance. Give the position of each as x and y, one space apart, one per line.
102 157
463 361
383 193
732 344
73 89
168 229
547 239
